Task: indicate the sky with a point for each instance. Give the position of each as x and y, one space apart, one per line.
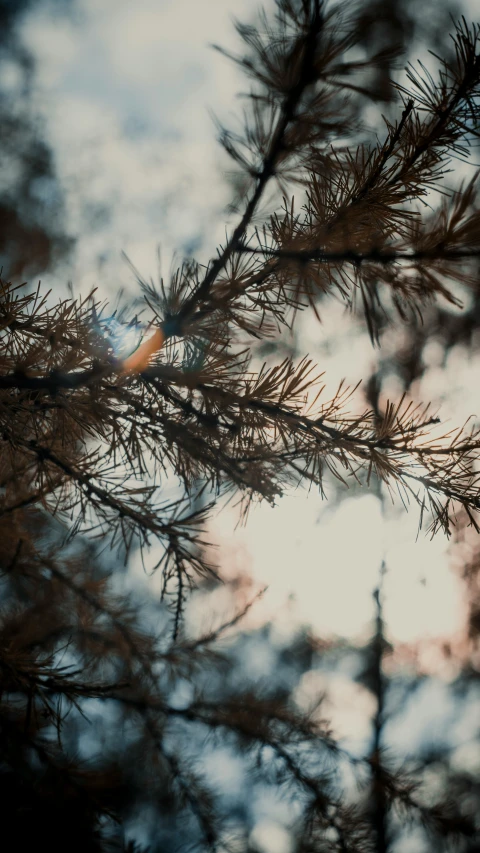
126 93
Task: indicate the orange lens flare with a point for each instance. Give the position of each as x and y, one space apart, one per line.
138 360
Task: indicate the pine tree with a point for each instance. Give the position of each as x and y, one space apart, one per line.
96 433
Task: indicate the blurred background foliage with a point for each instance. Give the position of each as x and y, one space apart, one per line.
415 700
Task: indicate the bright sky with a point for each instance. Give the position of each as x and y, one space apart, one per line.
125 90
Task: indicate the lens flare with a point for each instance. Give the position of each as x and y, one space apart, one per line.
132 344
148 346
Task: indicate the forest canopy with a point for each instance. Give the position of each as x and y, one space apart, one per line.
124 429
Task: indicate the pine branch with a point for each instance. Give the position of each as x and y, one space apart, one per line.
306 76
377 256
380 816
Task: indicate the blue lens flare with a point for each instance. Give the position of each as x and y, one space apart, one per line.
122 339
